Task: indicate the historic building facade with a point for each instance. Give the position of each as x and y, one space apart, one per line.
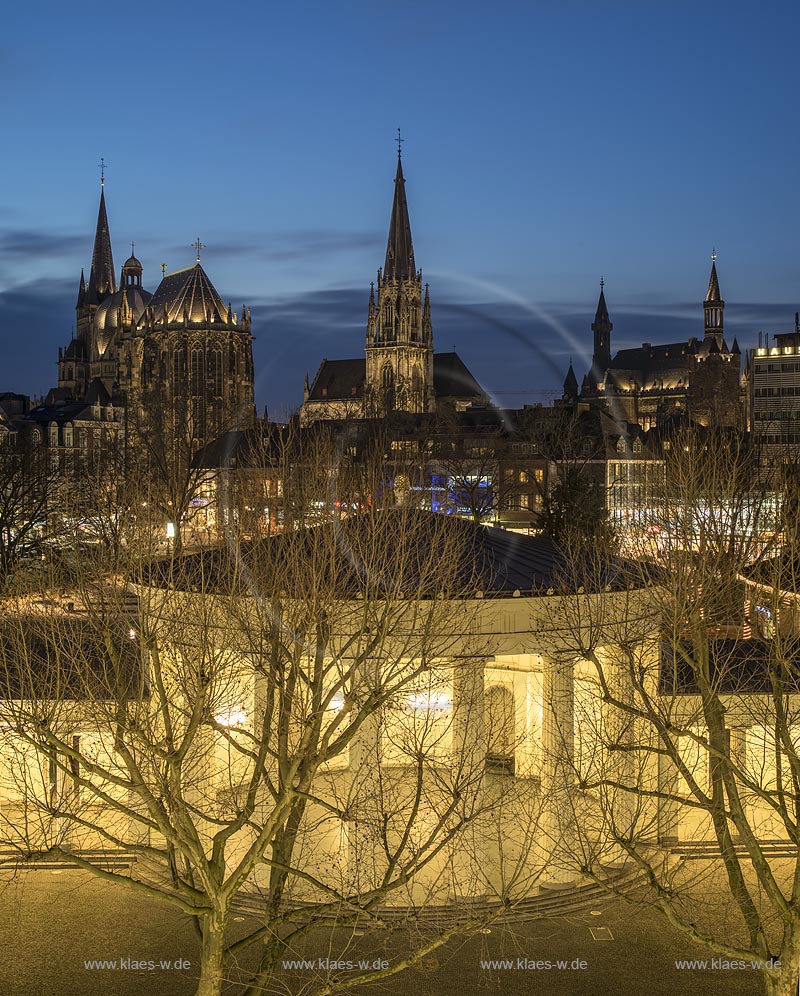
179 350
698 378
400 371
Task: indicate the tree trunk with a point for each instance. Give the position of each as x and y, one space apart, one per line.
781 983
784 981
212 949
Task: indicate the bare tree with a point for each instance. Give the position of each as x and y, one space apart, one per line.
682 753
29 488
294 718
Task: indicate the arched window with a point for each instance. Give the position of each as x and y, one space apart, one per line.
197 382
197 372
416 386
387 386
500 729
215 372
52 434
178 370
69 439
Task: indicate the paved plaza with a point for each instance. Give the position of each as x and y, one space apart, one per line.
52 926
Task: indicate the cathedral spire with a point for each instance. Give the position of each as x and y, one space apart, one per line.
713 294
81 291
714 306
399 263
602 327
102 280
570 384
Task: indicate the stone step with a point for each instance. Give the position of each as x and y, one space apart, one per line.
705 849
104 859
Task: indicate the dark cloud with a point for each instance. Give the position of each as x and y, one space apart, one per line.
35 319
282 247
22 252
28 244
519 353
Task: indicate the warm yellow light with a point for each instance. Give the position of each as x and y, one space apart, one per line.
235 717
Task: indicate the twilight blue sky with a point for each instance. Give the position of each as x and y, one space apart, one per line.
545 144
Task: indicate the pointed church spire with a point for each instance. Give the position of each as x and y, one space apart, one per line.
399 263
81 291
427 330
102 280
713 294
602 328
570 384
714 306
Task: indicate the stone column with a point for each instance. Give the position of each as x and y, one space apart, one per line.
557 822
738 755
668 810
471 866
618 761
363 801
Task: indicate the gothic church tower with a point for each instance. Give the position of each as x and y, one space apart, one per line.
602 328
714 308
399 347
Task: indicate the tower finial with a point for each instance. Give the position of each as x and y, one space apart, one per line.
163 270
102 165
399 143
602 283
133 246
714 255
199 247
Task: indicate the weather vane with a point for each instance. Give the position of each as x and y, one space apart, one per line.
163 270
199 247
102 165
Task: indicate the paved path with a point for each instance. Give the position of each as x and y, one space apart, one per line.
52 925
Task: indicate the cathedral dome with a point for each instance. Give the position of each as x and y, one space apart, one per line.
133 264
123 308
189 295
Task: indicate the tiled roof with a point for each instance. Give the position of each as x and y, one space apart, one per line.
452 379
339 380
347 558
243 447
189 292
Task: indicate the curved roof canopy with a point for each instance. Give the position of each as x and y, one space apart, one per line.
400 552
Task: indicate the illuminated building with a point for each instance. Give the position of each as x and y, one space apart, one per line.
180 347
650 383
773 374
400 371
